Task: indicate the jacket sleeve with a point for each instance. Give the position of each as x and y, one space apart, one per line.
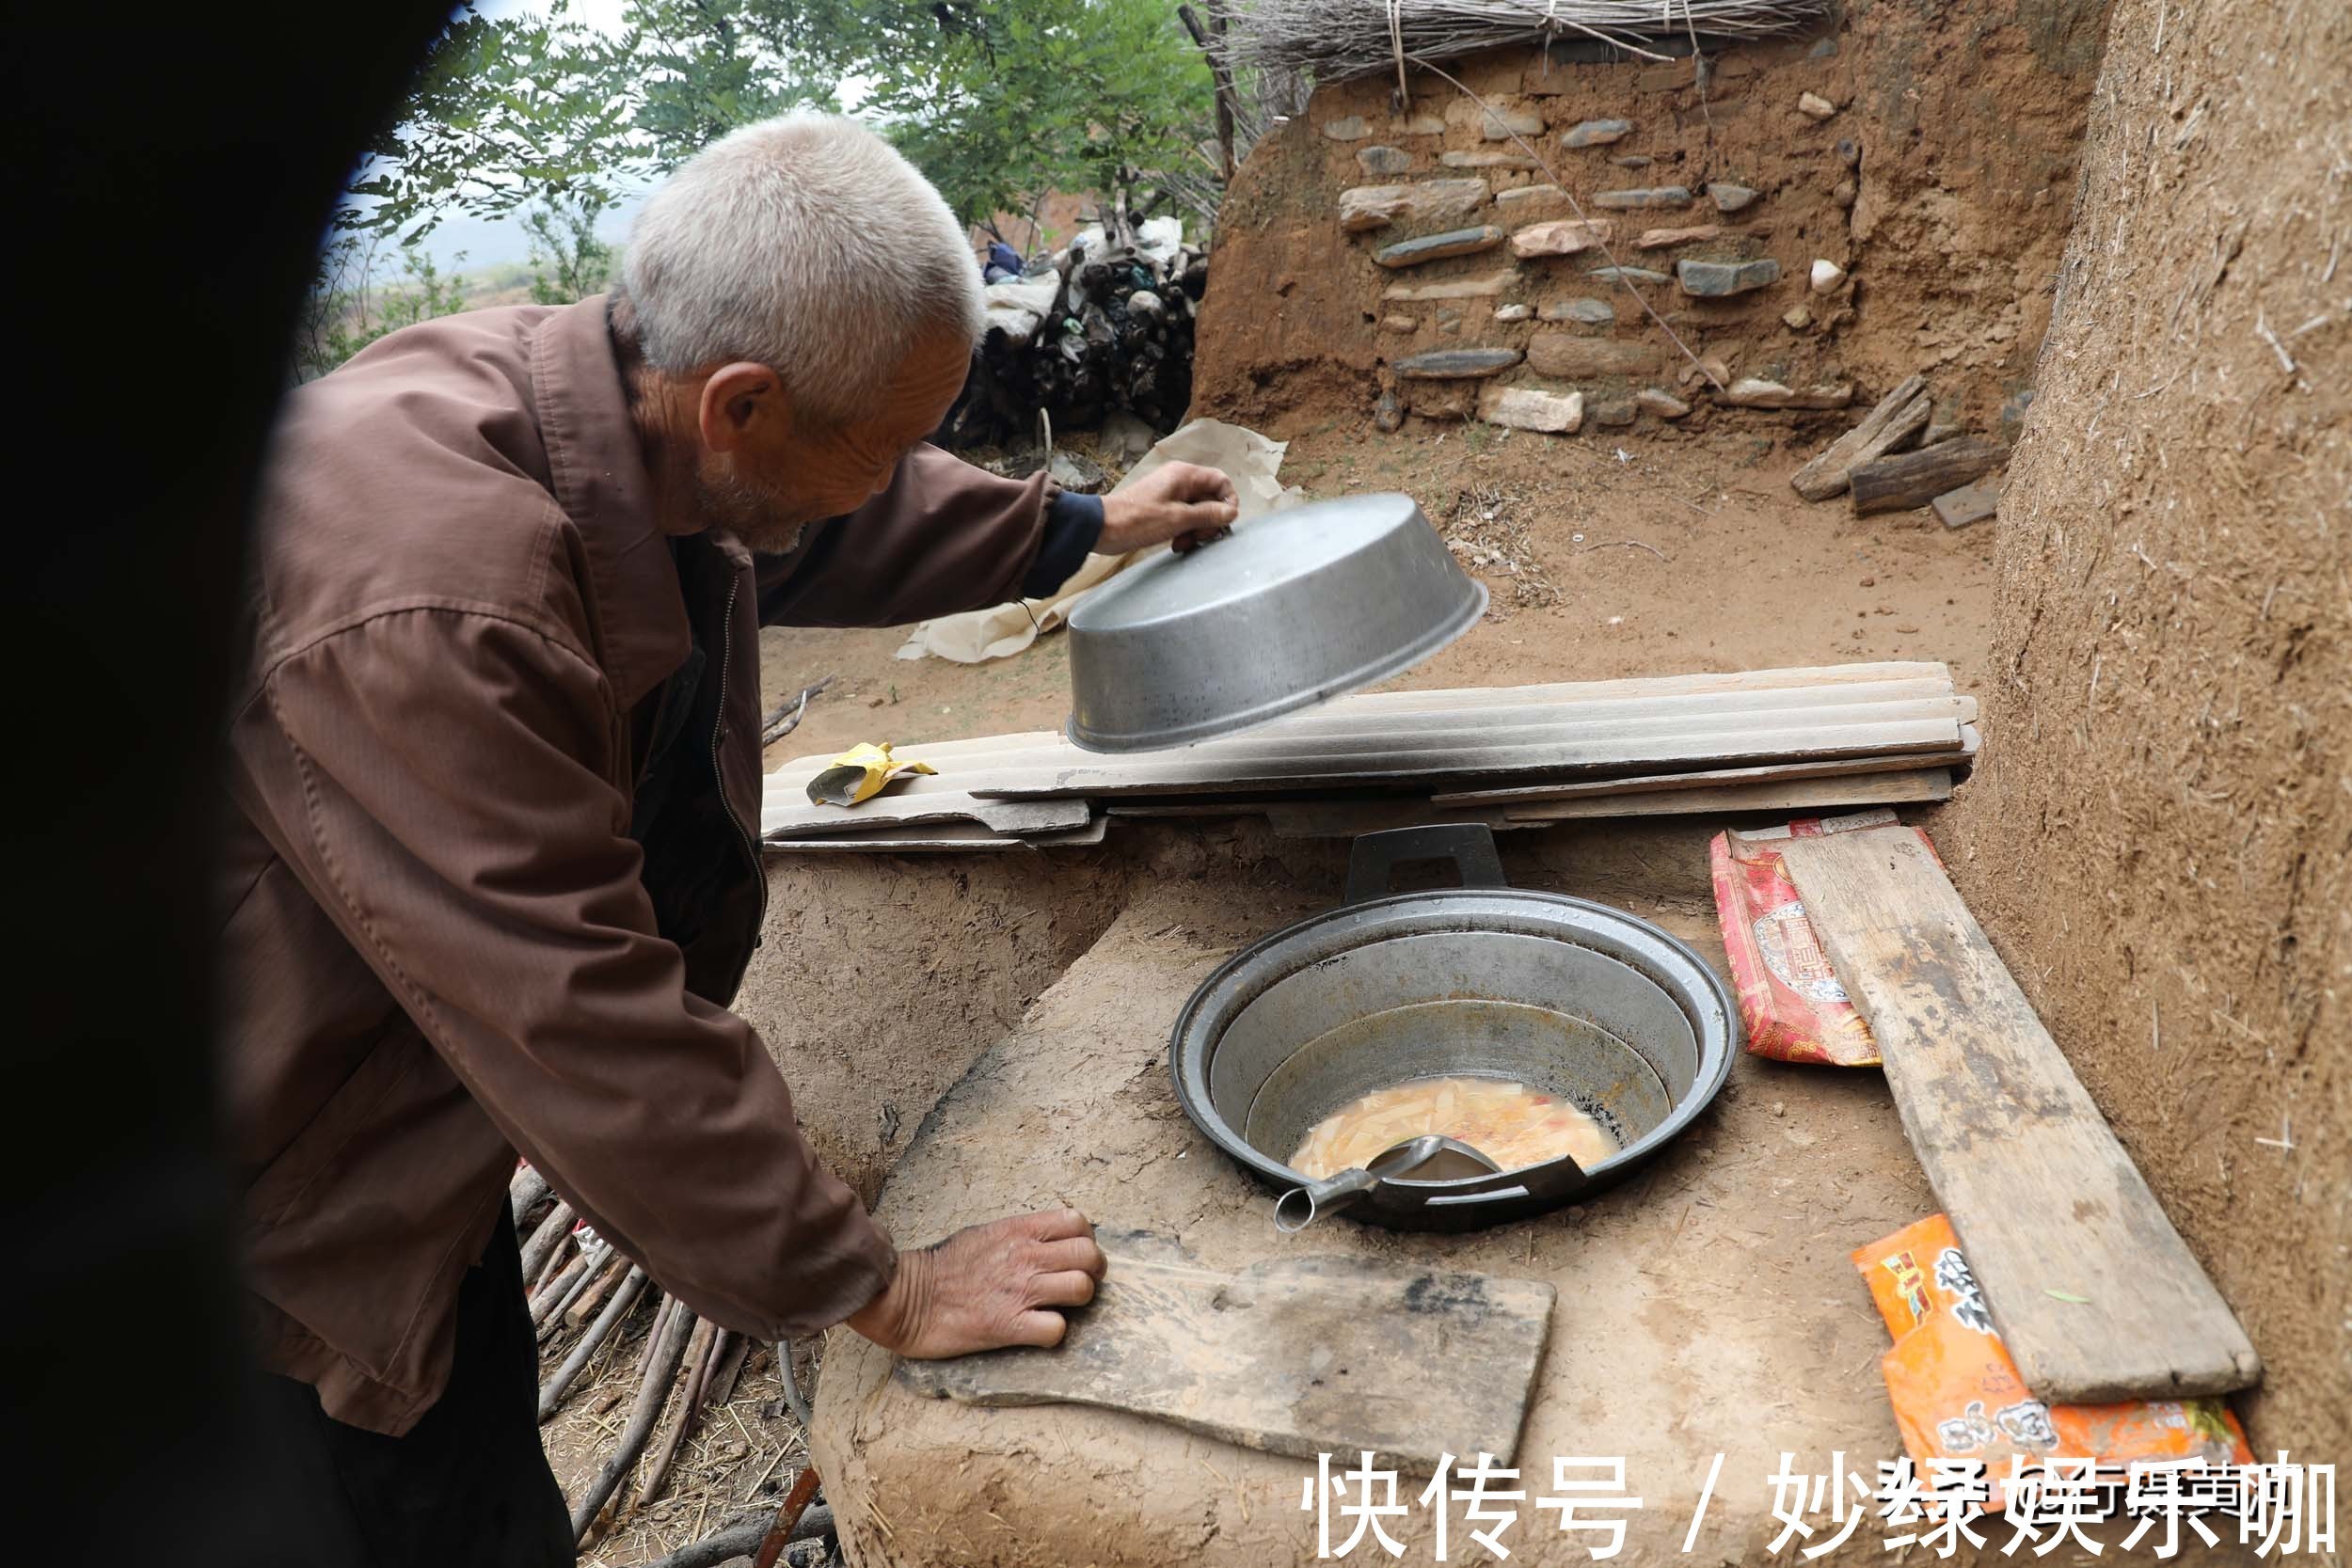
945 536
450 804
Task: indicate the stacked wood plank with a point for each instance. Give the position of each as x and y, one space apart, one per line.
1786 740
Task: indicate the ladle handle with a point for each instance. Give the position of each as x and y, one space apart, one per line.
1470 845
1299 1208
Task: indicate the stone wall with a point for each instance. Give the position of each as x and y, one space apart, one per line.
1827 215
2160 836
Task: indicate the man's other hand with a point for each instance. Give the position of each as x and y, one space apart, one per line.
987 1287
1181 503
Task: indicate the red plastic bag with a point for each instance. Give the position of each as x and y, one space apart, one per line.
1791 1002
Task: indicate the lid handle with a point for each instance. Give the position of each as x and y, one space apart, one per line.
1470 845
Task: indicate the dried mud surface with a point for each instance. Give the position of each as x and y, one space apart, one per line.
2160 843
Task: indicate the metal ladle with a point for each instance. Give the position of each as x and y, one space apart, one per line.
1428 1158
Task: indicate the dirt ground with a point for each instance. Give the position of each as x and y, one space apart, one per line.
1743 575
1737 573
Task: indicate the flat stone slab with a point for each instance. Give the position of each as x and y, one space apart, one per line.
1363 207
1756 392
1729 198
1488 287
1485 160
1628 275
1595 133
1706 1308
1532 408
1587 310
1384 160
1440 248
1721 279
1653 196
1572 356
1657 239
1457 364
1561 237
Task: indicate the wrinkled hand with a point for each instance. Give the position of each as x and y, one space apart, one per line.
986 1287
1181 503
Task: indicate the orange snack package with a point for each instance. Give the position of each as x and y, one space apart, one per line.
1791 1002
1957 1394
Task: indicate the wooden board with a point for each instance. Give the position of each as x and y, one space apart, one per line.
1862 789
935 839
901 807
1204 769
1899 414
1712 778
1299 1355
1915 478
2094 1290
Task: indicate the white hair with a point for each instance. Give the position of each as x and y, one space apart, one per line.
808 244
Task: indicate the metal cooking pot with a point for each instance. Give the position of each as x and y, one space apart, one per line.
1570 997
1288 609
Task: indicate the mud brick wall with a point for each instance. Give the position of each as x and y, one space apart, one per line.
1412 260
2160 838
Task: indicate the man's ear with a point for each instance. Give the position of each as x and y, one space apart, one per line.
742 403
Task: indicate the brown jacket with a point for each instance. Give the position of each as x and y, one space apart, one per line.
490 883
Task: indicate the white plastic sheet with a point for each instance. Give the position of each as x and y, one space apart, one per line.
1252 462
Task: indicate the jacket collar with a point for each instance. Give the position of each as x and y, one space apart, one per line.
597 470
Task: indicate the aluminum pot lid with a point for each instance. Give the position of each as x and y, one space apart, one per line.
1290 608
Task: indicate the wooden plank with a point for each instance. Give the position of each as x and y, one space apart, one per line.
779 818
1915 478
1205 772
935 838
1900 413
1803 688
1970 503
1709 777
989 776
2093 1289
1294 1355
1865 789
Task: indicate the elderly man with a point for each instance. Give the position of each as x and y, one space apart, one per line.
491 879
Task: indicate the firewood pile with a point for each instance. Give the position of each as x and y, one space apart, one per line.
586 1300
1101 327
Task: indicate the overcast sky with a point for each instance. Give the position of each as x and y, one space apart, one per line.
488 241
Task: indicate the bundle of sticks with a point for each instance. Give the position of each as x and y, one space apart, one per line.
1336 38
576 1282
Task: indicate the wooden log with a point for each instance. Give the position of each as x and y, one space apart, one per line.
524 1193
584 1304
545 1240
1900 413
2094 1293
788 1516
722 1382
663 1352
544 1299
794 1400
592 1264
697 1368
743 1539
1913 479
551 1392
